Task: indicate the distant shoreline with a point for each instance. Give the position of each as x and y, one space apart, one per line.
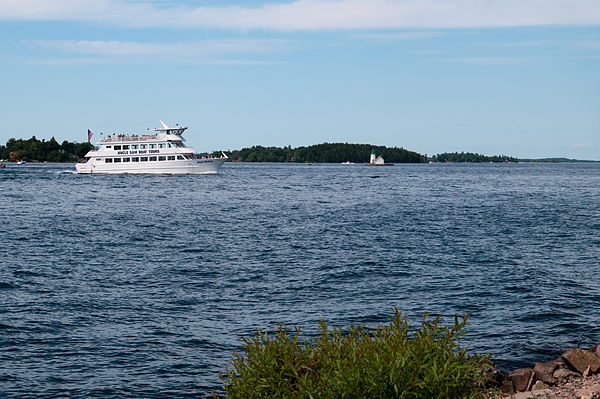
39 151
574 161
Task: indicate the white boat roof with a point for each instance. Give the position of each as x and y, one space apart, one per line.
171 130
165 133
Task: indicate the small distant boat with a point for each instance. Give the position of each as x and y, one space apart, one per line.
377 161
347 163
2 165
20 162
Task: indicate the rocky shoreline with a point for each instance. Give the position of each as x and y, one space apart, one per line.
574 374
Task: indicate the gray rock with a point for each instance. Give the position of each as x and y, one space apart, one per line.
565 374
541 394
539 385
560 362
523 395
580 360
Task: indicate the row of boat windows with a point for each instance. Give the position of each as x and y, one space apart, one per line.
143 146
145 159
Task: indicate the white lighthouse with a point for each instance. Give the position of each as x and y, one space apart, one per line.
372 159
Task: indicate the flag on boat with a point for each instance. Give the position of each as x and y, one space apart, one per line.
90 134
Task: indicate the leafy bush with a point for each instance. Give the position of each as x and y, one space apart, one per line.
394 361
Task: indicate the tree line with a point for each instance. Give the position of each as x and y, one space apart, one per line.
470 157
43 150
326 153
51 151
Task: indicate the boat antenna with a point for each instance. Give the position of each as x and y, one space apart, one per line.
164 125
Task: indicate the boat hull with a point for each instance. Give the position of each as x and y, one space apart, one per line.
209 166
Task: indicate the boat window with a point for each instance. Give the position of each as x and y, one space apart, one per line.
108 146
117 160
125 159
171 157
134 146
142 146
153 158
162 158
117 147
169 145
161 146
125 147
135 159
152 145
98 159
180 157
108 160
143 159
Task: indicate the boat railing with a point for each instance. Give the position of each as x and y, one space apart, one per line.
135 137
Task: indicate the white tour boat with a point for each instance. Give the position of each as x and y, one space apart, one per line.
163 152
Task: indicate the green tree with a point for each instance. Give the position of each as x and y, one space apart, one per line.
40 151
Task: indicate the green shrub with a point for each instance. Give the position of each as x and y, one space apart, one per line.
394 361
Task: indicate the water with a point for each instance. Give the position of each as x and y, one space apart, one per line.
140 286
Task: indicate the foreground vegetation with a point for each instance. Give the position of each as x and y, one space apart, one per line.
42 150
326 152
394 361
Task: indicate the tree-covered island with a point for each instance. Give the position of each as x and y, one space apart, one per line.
326 153
471 157
34 150
357 153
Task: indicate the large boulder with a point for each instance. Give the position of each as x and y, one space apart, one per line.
543 372
521 379
580 360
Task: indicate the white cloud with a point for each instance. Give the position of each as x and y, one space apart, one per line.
313 14
588 44
397 36
213 52
130 48
494 60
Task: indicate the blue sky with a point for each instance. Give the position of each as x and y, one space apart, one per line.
515 77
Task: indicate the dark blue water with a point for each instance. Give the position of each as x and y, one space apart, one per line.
140 286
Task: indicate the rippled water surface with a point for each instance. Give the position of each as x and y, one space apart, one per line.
140 286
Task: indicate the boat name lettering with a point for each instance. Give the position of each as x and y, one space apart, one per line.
133 152
142 152
153 151
122 152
